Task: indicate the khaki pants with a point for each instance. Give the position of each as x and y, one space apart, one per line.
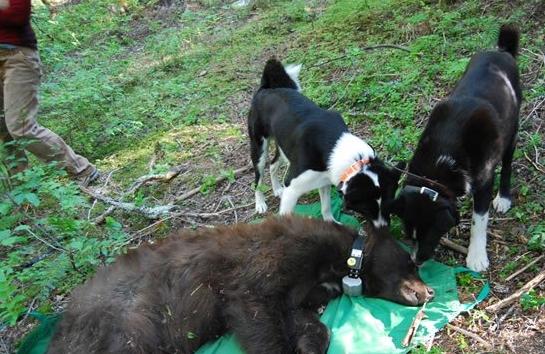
20 74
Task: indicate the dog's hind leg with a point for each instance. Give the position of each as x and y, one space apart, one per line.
259 153
477 259
502 202
303 183
277 162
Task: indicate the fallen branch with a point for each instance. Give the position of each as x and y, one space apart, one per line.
471 335
166 177
452 245
517 294
536 166
209 215
194 191
414 326
524 268
148 212
536 107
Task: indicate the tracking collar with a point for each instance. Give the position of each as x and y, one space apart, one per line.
352 283
430 193
353 169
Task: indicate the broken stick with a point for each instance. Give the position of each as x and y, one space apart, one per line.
194 191
517 294
524 268
414 326
453 246
470 335
149 212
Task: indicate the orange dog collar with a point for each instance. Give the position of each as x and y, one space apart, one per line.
353 169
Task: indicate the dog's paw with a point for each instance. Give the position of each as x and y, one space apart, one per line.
501 204
329 217
260 204
278 191
477 259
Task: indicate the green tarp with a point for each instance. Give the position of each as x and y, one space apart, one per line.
358 324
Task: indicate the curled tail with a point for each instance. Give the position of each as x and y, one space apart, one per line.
275 75
508 40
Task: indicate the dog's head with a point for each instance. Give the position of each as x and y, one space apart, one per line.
389 272
368 191
426 220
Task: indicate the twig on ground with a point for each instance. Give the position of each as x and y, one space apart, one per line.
167 177
234 209
536 166
536 107
429 344
503 318
524 268
517 294
453 246
471 335
150 228
148 212
414 326
30 309
194 191
44 241
100 190
209 215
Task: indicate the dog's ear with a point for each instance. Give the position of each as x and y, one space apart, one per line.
396 206
397 171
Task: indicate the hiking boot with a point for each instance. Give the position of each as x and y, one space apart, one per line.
89 178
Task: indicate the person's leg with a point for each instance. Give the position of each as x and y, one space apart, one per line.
22 75
15 160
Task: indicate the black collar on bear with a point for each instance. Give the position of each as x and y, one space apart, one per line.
352 283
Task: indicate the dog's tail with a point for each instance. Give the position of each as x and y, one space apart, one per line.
508 40
275 75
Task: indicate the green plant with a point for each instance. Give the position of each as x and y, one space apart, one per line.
537 237
208 184
531 300
47 251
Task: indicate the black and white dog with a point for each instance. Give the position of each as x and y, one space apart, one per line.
318 148
466 137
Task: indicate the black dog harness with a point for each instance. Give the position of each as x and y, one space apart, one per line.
352 283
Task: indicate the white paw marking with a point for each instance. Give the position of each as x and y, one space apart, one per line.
329 217
477 260
278 191
260 204
501 204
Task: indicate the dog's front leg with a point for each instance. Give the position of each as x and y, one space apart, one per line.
303 183
477 259
325 200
